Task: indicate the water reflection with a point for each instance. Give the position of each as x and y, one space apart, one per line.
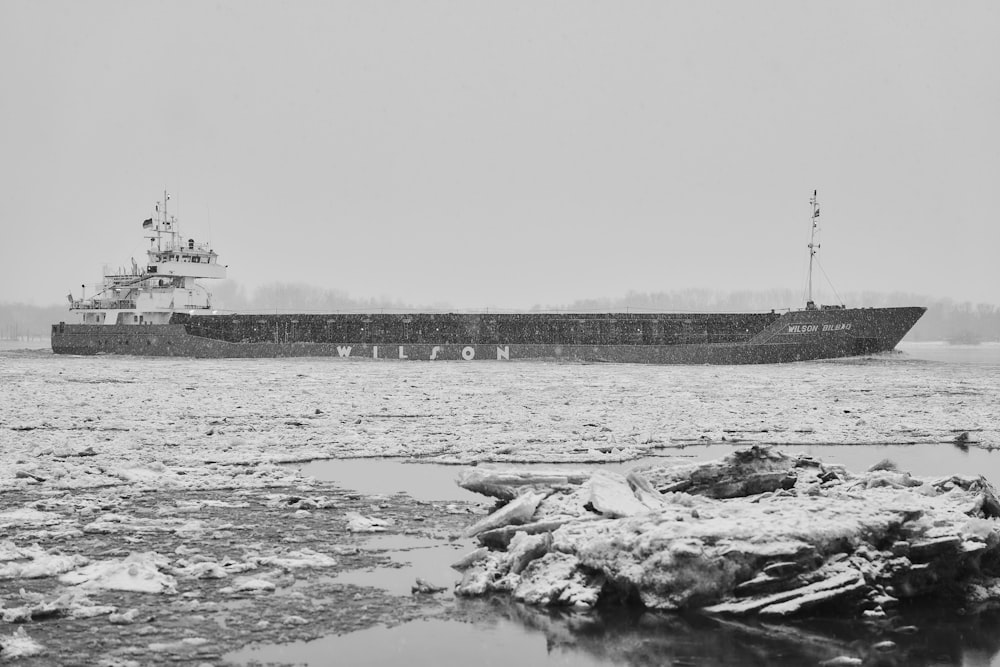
615 635
412 557
498 643
920 636
501 632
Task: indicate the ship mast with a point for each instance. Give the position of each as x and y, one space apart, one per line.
163 221
813 247
167 222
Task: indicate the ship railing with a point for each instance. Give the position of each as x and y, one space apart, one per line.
119 280
102 304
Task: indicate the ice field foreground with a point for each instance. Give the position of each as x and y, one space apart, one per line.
759 533
153 418
145 519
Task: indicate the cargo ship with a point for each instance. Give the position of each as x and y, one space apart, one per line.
161 309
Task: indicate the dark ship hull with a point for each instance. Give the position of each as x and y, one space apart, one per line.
658 338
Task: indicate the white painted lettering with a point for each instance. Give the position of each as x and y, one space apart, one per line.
468 353
503 353
434 352
344 351
402 354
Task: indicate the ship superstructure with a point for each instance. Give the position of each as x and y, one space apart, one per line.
167 284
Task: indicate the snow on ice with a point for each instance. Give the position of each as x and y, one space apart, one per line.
138 572
757 533
19 645
82 439
155 423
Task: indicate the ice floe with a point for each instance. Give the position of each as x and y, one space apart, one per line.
299 559
37 606
34 562
758 532
19 645
357 523
249 584
139 572
27 516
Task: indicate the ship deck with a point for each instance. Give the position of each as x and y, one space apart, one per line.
482 329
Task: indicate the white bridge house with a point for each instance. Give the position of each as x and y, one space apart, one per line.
167 283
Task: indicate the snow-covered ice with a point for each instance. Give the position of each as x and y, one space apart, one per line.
84 440
34 562
758 532
139 572
100 421
19 644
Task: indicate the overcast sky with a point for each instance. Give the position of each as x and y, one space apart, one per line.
506 154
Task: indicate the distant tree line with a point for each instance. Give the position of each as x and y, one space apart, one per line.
959 322
692 300
20 321
945 319
296 297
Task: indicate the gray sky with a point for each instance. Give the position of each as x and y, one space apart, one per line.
505 154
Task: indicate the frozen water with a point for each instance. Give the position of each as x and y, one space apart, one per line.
98 426
88 422
137 572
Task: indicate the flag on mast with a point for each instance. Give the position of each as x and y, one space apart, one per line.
147 223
